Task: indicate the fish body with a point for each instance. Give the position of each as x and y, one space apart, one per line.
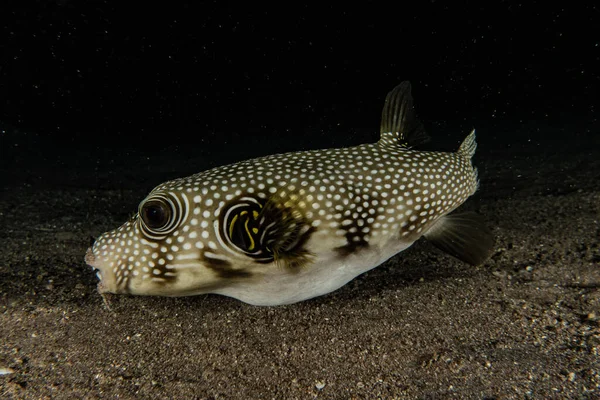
288 227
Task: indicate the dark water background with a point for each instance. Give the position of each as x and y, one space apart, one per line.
91 91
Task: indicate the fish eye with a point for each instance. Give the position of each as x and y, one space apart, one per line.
156 214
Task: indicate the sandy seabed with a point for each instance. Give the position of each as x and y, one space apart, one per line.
423 325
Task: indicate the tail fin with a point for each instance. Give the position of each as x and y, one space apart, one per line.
463 236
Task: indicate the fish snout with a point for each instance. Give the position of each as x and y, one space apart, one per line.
107 281
90 258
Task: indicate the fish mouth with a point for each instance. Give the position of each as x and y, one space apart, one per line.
90 259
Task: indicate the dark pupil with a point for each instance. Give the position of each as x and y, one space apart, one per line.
155 214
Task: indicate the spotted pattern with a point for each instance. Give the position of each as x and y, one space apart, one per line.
352 197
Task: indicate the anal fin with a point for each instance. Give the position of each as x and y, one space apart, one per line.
463 236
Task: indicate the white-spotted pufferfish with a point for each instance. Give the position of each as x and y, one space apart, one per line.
288 227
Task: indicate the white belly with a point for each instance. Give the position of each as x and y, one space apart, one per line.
328 273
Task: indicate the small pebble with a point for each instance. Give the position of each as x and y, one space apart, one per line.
320 385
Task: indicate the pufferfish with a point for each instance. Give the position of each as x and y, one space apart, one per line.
289 227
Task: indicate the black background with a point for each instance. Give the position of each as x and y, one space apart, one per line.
99 75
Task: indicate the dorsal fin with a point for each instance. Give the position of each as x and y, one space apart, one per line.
399 124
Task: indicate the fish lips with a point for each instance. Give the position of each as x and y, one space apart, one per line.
90 258
92 261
